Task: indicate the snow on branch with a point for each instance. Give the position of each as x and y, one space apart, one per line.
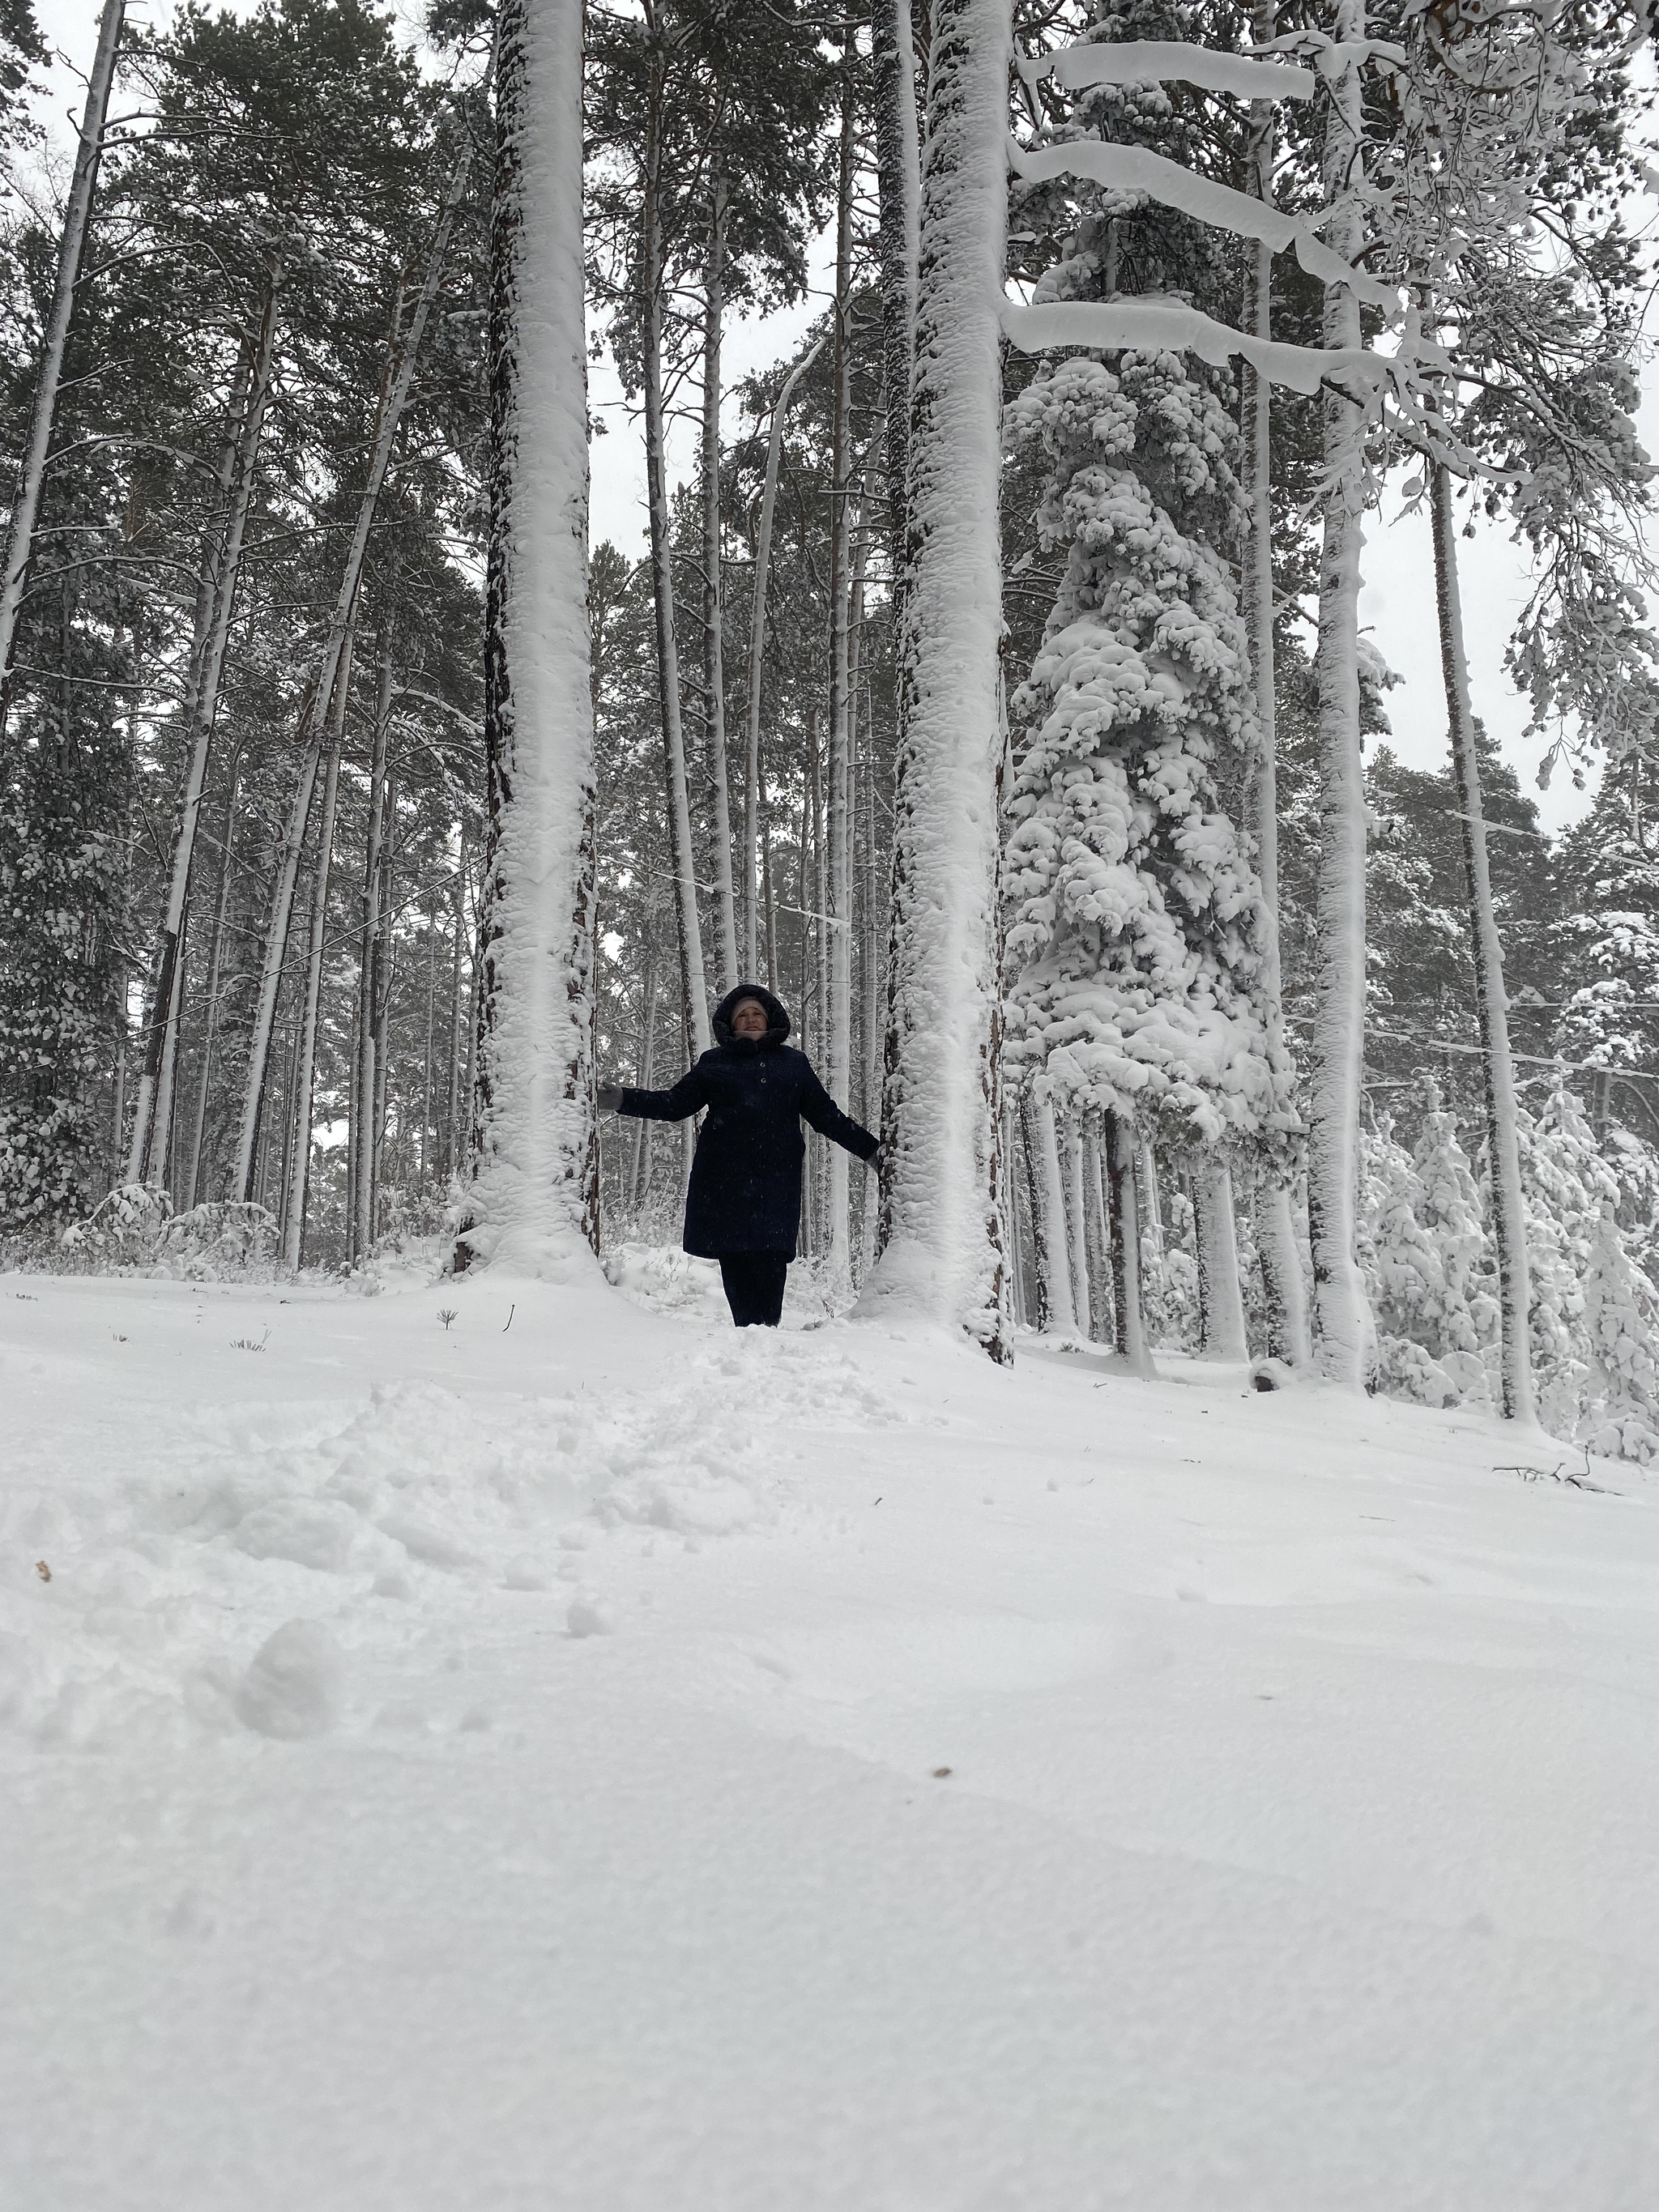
1165 61
1151 325
1136 168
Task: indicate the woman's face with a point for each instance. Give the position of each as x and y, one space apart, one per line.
749 1020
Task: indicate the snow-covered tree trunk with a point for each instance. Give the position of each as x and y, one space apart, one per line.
1287 1296
714 660
1076 1232
1096 1235
1222 1299
77 214
942 1236
1345 1338
838 908
151 1129
751 770
533 1202
364 1086
406 350
898 169
293 1227
1120 1150
1042 1264
1055 1244
644 1076
192 1179
453 1116
693 986
1508 1217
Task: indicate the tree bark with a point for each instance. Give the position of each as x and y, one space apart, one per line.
1285 1293
713 664
453 1116
1221 1297
1097 1237
1076 1218
294 1229
1054 1244
534 1196
752 777
77 215
943 1238
898 169
1503 1140
836 925
1346 1336
1126 1243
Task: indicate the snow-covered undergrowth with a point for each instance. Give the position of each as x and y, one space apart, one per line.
489 1745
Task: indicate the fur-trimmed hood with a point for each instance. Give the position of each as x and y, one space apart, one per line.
777 1017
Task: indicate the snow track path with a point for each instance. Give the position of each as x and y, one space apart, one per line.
498 1767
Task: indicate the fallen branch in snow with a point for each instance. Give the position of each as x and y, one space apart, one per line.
1571 1478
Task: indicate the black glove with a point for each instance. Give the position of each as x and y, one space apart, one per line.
610 1098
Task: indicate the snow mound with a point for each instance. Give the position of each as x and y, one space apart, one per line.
285 1532
293 1683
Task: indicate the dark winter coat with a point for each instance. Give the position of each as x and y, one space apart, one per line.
745 1195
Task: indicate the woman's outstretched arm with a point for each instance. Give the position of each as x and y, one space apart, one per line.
686 1097
818 1108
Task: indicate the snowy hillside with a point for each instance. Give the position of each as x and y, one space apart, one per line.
576 1756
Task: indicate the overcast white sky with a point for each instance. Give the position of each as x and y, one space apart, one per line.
1397 606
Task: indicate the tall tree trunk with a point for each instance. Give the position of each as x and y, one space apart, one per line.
385 957
314 715
453 1113
644 1074
943 1243
364 1084
1096 1236
1346 1336
693 986
1076 1223
424 1157
1054 1248
299 1168
836 925
1287 1296
1041 1266
1119 1148
534 1201
77 213
714 656
150 1130
216 969
1220 1295
1503 1140
752 796
898 170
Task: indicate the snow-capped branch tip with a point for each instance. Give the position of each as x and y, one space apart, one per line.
1168 61
1137 168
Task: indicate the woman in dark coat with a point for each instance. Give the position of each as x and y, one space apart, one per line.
742 1207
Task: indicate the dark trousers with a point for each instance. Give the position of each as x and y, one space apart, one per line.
753 1282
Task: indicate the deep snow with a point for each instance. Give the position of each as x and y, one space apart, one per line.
586 1842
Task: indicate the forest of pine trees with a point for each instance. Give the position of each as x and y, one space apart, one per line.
343 847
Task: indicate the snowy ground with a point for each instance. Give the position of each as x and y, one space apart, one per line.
769 1773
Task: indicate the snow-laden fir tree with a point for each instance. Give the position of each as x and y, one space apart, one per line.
1467 1327
1134 931
1422 1249
1621 1319
1563 1179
